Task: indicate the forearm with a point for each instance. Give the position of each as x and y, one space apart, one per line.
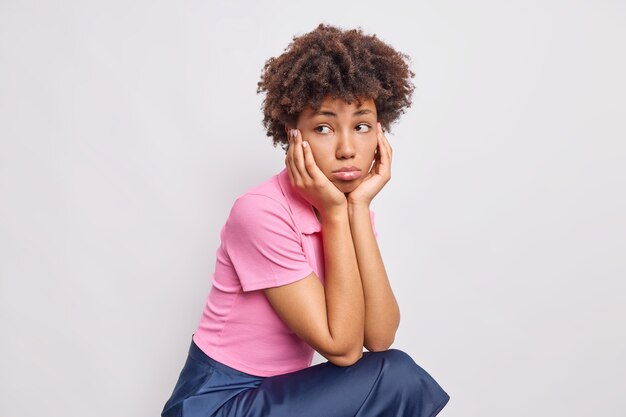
343 289
382 315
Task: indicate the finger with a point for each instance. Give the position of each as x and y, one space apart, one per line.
288 156
289 160
299 157
386 141
309 162
289 167
388 146
377 153
374 165
384 161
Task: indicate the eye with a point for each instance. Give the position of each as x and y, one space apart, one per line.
324 130
363 128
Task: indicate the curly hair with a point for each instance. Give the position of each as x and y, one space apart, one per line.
330 62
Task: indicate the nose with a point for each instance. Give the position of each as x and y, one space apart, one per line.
345 146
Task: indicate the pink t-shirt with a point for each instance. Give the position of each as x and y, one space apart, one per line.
271 238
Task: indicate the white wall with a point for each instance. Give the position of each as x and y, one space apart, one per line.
127 129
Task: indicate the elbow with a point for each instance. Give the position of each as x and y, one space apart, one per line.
379 345
348 359
343 352
381 338
344 355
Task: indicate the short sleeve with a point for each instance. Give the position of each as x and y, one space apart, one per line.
263 244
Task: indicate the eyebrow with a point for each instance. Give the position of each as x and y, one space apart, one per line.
331 114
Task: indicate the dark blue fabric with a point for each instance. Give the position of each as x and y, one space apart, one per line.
381 384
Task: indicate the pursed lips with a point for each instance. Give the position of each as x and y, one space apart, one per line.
347 173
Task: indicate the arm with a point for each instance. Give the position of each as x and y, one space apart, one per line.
382 315
331 318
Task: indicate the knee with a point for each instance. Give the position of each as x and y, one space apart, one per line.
402 372
403 380
393 363
398 364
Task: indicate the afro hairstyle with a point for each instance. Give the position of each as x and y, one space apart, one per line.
340 64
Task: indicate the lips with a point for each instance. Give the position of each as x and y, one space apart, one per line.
347 173
347 169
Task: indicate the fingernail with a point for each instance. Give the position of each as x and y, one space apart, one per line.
294 133
305 144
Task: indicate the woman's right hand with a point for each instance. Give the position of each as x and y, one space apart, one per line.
308 179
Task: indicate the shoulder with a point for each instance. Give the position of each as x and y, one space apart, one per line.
263 208
265 197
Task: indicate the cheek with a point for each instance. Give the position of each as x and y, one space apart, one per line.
372 145
320 154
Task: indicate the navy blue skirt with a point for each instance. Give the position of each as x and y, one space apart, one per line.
380 384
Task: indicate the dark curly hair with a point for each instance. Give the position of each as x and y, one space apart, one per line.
328 61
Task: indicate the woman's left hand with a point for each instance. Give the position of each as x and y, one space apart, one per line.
378 176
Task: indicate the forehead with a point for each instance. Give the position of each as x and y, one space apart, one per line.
339 106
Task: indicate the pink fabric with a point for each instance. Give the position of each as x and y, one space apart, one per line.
271 238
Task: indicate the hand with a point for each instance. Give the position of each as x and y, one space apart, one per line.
378 176
308 179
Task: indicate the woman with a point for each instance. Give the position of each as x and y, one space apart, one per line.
298 268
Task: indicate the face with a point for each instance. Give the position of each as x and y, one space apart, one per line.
342 138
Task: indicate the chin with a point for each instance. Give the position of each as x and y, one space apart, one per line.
347 187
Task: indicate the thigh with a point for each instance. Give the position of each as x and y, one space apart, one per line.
323 390
382 384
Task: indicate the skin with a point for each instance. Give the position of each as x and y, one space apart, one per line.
356 308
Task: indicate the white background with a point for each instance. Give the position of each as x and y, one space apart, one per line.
128 128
